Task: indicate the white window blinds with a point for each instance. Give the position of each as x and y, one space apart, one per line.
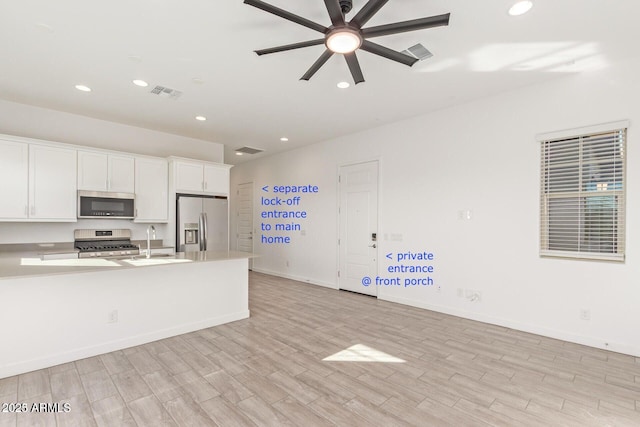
582 198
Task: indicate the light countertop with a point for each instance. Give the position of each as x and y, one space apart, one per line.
30 264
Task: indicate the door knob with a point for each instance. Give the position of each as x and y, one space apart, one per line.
373 246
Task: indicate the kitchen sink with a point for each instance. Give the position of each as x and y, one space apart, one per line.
157 252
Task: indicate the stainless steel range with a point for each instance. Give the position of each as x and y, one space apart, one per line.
104 243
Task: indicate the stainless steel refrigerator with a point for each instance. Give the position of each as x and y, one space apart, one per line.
202 223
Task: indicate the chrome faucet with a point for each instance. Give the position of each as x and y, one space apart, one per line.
150 229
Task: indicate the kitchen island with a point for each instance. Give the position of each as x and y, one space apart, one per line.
58 311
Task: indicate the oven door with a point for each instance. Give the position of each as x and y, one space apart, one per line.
96 204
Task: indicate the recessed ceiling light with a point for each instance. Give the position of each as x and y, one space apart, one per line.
239 154
343 85
140 83
201 118
284 139
520 8
83 88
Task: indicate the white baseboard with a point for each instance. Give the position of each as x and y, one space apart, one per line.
297 278
525 327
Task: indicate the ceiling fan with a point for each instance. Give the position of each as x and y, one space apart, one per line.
346 37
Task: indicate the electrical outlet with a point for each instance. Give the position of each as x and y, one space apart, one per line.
585 314
113 317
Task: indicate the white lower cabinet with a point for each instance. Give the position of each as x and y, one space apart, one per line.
151 188
38 182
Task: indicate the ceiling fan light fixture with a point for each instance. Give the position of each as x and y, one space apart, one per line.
343 40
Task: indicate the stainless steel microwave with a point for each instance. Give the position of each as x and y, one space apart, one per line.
98 204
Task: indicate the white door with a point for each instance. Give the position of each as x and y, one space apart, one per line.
358 227
244 218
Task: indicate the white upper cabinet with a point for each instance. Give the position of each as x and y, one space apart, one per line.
152 196
14 180
52 183
189 176
121 174
105 172
38 182
216 179
201 177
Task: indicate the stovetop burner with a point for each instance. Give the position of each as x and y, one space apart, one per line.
104 243
103 246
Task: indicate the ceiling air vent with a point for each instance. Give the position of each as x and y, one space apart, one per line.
249 150
418 51
166 92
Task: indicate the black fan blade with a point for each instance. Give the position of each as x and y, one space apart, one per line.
316 65
367 12
289 47
354 67
385 52
286 15
335 12
401 27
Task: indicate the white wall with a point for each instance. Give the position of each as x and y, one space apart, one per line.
482 157
41 123
50 125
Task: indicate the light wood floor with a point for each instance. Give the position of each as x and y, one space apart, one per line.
425 369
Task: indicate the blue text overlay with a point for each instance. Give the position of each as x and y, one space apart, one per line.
283 215
416 270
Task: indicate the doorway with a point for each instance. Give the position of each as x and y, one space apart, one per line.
244 219
358 228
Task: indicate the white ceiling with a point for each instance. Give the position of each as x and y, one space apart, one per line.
205 50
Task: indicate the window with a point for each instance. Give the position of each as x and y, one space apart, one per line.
582 193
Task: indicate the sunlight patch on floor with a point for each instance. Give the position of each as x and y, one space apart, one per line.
362 353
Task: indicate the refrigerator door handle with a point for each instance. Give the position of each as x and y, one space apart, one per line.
206 232
201 231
